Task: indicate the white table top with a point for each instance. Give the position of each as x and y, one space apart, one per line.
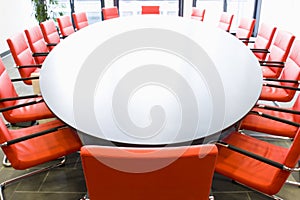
150 79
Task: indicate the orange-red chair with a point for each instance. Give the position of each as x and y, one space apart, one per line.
187 173
198 14
50 33
263 41
150 10
225 21
245 29
22 56
80 20
65 26
273 120
260 165
279 52
17 109
284 88
37 44
110 13
35 145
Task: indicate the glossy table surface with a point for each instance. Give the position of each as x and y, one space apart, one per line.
150 79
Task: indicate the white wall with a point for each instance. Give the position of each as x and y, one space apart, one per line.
283 14
15 16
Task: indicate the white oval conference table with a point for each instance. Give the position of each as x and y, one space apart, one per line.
150 80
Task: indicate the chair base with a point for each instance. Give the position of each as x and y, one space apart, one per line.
7 182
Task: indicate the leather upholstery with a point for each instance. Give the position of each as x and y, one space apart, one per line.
264 39
22 55
251 172
23 114
150 10
80 20
198 14
261 124
36 42
50 33
109 13
279 51
225 21
38 150
245 28
291 71
65 25
188 176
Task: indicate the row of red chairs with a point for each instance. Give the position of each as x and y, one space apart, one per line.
245 158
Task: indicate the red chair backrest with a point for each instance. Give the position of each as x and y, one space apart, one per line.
291 70
225 21
36 42
245 28
7 89
188 174
150 10
65 25
50 33
22 55
264 39
280 48
109 13
80 20
198 13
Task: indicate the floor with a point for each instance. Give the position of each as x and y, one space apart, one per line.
67 182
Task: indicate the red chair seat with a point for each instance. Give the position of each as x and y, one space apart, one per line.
274 94
251 172
261 124
41 149
28 113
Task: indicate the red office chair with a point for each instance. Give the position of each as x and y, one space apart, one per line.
23 57
263 41
35 145
80 20
245 29
284 88
257 164
65 26
279 52
50 33
17 109
188 176
37 44
110 13
273 120
150 10
225 21
198 14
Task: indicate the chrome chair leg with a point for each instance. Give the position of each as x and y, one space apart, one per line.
5 162
7 182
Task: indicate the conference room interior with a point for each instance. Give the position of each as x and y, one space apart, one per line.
69 181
